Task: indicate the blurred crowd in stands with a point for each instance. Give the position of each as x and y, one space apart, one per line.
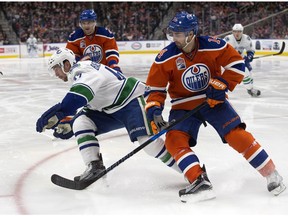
3 37
52 22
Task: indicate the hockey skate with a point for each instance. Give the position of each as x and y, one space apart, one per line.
93 170
254 92
199 190
275 183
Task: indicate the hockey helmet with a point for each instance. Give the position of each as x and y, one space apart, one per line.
88 15
238 27
59 57
184 22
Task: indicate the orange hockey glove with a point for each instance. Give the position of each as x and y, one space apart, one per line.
216 91
154 114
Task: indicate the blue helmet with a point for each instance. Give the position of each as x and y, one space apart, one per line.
184 22
88 15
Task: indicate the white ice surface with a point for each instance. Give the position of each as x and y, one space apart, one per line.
140 185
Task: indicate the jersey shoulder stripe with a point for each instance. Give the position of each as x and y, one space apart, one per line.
208 43
76 35
167 53
103 32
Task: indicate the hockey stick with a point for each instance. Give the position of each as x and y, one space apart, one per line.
275 54
80 185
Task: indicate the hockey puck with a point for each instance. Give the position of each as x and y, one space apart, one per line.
1 73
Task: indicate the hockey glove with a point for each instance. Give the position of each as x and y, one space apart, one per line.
64 128
216 91
50 118
249 57
154 114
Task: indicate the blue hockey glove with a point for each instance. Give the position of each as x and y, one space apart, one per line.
216 91
50 118
154 114
249 57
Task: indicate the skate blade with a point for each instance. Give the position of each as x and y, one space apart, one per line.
201 196
279 189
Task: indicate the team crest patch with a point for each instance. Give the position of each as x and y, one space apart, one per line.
82 44
180 63
95 52
196 77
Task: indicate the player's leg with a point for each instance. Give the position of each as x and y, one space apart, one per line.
134 118
248 81
85 128
229 126
244 142
179 142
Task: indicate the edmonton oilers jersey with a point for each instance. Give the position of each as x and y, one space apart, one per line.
186 78
100 47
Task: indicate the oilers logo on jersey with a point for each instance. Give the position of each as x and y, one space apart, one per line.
196 77
95 52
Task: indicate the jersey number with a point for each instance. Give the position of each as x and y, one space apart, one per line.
118 74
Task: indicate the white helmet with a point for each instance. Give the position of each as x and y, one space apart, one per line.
60 56
238 27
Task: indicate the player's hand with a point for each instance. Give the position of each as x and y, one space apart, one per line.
64 128
50 118
154 114
216 91
249 57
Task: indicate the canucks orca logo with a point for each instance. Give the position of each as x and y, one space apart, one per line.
94 52
196 77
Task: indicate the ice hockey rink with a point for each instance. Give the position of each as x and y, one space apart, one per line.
140 185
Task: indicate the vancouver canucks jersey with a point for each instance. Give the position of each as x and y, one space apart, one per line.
244 44
101 88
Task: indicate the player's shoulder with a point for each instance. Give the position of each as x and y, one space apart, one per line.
211 43
246 37
167 53
228 37
78 33
102 31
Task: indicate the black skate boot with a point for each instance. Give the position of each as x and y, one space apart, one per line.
199 190
93 170
275 183
254 92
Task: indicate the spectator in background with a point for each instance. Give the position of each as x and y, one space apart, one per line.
52 21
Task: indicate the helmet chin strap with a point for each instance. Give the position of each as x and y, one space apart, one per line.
187 43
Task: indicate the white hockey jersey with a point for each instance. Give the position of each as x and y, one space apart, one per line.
244 44
103 88
31 41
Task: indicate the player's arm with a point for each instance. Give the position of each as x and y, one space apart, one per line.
156 94
233 64
111 50
249 50
69 105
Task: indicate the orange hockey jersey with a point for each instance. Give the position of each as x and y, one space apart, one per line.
188 77
101 48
